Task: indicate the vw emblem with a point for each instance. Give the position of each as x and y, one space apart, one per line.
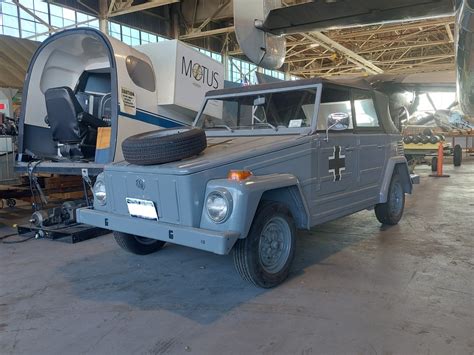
140 184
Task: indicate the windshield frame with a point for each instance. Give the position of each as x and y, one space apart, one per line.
264 131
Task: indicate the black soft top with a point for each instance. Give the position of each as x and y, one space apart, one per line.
356 83
381 100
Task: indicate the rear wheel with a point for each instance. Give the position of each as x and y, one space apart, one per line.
137 245
391 212
265 256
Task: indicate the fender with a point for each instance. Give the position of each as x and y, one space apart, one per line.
246 196
400 165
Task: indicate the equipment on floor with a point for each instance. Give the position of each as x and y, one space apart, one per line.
66 214
439 163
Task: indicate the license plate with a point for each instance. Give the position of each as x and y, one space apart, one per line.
142 209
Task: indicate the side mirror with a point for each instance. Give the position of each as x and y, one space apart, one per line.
337 121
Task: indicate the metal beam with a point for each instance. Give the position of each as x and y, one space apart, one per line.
31 13
58 29
214 14
111 7
215 32
388 50
352 56
145 6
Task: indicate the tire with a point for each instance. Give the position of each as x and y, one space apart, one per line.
11 202
428 132
434 139
417 139
457 155
391 212
408 140
137 245
425 139
164 146
434 164
264 258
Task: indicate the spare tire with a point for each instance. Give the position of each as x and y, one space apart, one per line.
164 146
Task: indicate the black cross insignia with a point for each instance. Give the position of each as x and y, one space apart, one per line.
337 163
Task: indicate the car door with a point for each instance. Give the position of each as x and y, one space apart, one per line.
371 145
335 154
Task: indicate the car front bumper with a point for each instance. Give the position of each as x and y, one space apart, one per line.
215 242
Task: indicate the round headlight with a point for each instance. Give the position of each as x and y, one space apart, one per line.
100 193
219 206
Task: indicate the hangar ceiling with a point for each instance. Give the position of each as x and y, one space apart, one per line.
414 46
407 47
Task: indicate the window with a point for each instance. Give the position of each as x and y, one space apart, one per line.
365 113
274 73
17 22
335 110
141 73
213 55
241 71
286 109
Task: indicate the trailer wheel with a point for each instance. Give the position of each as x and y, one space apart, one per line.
457 155
137 245
164 146
265 256
391 212
11 202
434 164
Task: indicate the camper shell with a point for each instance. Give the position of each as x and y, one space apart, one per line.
85 92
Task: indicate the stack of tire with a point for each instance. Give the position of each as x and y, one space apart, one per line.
426 137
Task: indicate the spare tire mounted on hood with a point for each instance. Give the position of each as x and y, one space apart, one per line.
164 146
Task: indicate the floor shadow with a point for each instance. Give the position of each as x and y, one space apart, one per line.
192 283
321 242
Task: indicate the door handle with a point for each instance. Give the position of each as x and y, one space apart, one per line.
380 146
349 149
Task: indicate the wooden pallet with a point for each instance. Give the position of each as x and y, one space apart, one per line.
56 188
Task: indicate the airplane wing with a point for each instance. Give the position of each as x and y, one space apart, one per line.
324 14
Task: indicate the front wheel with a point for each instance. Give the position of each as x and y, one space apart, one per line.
391 212
265 256
137 245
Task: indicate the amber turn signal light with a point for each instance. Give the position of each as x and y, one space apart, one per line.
239 175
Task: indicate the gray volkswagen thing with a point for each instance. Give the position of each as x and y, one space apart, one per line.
260 163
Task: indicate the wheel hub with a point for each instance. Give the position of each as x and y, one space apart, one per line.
396 196
274 248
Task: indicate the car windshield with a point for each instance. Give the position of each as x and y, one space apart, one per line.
272 110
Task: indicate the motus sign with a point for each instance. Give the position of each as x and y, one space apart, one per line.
200 73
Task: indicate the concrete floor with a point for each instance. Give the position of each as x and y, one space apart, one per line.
355 288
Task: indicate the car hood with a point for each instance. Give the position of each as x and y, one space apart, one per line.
220 151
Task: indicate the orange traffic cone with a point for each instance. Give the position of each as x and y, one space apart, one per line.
439 168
